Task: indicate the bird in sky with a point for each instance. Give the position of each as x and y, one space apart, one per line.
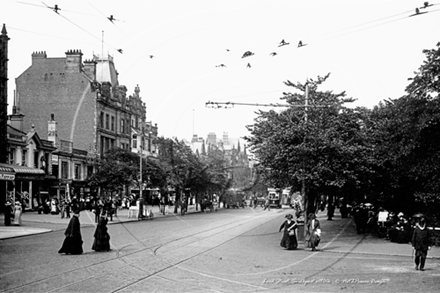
55 8
151 56
300 44
119 50
220 65
418 12
426 5
248 65
227 50
111 18
247 54
283 43
273 54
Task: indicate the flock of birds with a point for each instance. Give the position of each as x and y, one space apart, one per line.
249 53
246 54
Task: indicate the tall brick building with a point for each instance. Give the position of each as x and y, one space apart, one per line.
92 109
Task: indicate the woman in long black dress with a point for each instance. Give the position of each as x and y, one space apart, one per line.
73 242
9 212
289 240
102 238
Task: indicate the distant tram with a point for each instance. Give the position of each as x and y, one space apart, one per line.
274 197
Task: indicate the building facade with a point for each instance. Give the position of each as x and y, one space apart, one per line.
94 114
92 109
29 156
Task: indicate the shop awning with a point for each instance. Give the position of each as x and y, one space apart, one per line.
23 172
6 173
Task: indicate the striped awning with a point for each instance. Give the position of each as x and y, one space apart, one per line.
27 170
7 173
17 170
5 169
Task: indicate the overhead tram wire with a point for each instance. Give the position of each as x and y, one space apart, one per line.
362 25
110 19
78 26
64 10
50 36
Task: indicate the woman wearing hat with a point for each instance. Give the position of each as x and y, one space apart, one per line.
313 235
73 242
9 213
17 213
289 240
102 238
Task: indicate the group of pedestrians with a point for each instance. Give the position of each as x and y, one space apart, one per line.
290 235
73 243
13 213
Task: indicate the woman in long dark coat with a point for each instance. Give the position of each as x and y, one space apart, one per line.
9 212
102 238
289 240
313 234
73 242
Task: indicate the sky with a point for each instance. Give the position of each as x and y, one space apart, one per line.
369 47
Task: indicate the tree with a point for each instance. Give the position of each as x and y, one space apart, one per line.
321 146
116 169
119 168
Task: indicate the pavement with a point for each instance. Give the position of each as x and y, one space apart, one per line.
34 223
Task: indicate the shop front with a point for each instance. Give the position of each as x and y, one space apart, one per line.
25 187
7 177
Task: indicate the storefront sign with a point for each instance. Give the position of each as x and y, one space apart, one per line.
9 177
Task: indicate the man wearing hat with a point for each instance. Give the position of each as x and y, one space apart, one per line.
421 243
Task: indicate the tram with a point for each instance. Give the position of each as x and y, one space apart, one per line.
274 196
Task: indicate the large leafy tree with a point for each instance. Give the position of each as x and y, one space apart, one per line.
407 141
119 168
320 148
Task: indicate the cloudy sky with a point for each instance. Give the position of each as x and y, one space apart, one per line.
370 48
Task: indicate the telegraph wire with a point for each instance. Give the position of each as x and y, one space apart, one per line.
56 8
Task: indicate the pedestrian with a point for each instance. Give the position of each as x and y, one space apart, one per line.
62 208
53 207
313 234
97 210
9 213
102 238
289 240
330 211
67 208
73 242
17 214
267 204
421 243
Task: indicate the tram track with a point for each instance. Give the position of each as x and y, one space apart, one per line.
119 255
178 263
